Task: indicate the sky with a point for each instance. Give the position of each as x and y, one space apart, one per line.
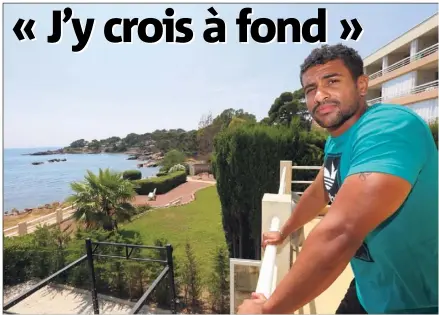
53 96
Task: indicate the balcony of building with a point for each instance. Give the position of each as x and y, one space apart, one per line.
420 54
262 276
425 87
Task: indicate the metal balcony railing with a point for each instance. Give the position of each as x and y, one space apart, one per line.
419 55
429 86
91 248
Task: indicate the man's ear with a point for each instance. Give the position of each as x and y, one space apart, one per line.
362 84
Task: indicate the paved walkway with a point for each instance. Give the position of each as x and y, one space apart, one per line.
184 191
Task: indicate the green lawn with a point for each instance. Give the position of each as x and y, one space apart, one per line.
198 222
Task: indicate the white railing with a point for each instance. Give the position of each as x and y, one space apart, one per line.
282 181
268 272
403 62
67 212
314 168
429 86
276 259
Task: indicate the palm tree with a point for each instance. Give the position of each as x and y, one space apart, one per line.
102 200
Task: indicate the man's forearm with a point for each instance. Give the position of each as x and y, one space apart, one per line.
325 254
309 206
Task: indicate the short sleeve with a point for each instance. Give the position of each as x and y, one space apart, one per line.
392 142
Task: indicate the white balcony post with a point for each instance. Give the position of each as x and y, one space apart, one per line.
414 44
385 64
59 216
288 175
275 205
22 228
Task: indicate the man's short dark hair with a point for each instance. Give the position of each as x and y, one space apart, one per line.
325 53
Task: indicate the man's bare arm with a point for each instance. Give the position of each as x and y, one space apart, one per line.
311 203
330 246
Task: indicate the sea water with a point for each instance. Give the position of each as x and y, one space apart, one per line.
28 186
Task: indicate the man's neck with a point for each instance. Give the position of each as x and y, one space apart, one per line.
348 123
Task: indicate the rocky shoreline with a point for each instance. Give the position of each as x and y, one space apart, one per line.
43 208
59 152
151 159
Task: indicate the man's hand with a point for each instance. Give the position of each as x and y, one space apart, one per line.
272 238
253 305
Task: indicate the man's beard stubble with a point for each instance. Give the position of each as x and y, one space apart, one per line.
340 118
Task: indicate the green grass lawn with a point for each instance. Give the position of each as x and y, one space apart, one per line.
198 222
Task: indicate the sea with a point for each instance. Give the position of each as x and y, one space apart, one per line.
29 186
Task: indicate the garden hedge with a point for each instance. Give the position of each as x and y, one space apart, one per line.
132 175
162 183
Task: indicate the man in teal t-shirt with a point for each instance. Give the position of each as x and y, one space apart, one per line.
380 175
396 267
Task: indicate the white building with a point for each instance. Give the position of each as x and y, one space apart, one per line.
405 71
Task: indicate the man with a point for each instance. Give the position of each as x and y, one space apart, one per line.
381 174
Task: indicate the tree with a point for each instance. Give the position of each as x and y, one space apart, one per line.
78 143
94 145
205 134
248 156
172 158
131 139
287 106
208 128
103 199
219 283
222 121
236 122
191 280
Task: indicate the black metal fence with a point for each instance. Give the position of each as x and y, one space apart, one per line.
168 269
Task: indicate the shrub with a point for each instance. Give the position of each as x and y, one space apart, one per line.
177 167
248 156
163 184
143 208
161 173
132 175
187 168
171 158
218 285
191 281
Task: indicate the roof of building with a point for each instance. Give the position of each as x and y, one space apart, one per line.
405 38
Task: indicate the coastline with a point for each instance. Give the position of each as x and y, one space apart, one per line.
15 216
69 150
186 192
46 178
151 159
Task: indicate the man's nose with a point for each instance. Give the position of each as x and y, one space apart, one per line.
320 95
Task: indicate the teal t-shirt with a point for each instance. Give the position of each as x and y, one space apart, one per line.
396 268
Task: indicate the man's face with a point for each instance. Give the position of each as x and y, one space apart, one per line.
332 96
